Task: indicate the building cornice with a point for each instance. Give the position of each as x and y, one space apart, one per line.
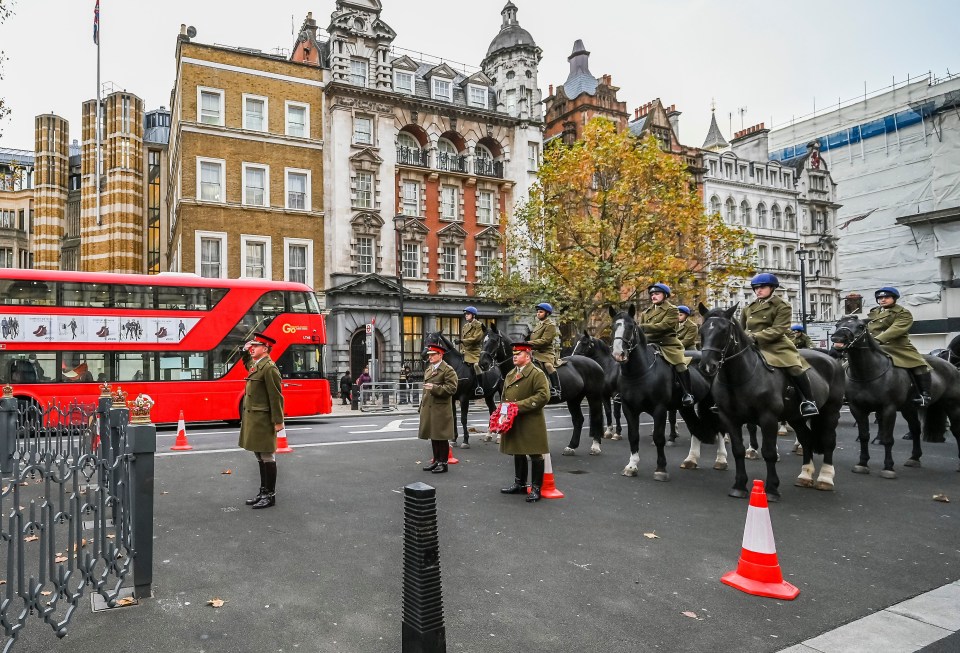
942 216
248 135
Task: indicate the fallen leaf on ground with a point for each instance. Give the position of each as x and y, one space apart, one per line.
227 471
126 601
83 543
651 535
942 498
217 603
60 558
3 581
111 536
689 613
46 593
164 492
32 538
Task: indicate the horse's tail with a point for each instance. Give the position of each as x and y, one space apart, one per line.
935 424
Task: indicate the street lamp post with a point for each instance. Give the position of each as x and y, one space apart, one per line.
399 222
802 255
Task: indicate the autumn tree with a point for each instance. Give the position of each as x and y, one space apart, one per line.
610 215
6 9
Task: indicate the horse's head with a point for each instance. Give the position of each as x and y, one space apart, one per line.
434 338
850 332
584 345
627 336
718 333
494 349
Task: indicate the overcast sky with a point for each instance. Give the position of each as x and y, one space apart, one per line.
774 58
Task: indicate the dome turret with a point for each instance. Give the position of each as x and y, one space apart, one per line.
511 35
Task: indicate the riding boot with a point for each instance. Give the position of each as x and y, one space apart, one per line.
260 494
520 477
436 455
923 381
807 407
685 385
269 497
555 394
442 457
536 480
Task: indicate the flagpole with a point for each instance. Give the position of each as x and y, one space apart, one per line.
97 180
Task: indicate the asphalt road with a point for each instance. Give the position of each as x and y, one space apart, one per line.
322 570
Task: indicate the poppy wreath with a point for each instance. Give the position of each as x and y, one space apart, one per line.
502 418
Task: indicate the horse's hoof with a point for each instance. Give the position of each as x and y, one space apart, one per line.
672 442
912 462
752 454
465 445
616 436
888 473
567 451
607 435
861 469
803 482
488 438
688 464
782 431
720 467
824 484
629 471
726 439
595 450
773 498
661 476
737 493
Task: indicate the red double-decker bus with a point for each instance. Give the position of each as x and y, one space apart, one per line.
176 337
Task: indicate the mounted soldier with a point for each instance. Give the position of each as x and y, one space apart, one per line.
687 331
471 338
800 338
889 324
659 323
767 322
544 347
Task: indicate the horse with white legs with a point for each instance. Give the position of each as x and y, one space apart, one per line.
875 385
598 350
747 391
649 385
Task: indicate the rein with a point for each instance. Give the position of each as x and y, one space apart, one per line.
629 350
732 339
847 347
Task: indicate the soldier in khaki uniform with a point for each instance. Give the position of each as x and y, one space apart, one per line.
659 323
527 387
687 331
889 323
436 408
800 338
767 322
543 343
262 417
471 339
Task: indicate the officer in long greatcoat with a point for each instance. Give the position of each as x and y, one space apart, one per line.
659 324
889 323
262 417
687 332
527 387
436 408
543 341
767 322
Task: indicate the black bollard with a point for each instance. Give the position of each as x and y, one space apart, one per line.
355 397
423 630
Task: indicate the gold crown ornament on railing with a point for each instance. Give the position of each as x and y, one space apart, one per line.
140 409
105 390
7 391
119 397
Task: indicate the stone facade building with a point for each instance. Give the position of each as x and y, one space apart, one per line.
245 193
16 208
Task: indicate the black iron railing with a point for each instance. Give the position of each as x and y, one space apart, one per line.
451 162
488 168
411 157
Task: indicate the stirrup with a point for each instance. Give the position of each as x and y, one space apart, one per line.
922 400
688 400
808 409
478 391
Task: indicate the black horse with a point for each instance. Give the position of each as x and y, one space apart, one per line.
951 354
875 385
648 385
490 382
747 391
598 350
580 378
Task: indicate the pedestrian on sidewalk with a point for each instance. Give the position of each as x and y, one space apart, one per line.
436 409
346 385
262 417
527 387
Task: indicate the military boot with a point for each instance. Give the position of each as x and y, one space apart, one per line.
685 384
807 407
260 494
536 481
923 381
520 477
555 394
269 498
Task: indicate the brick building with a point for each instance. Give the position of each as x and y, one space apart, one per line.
245 194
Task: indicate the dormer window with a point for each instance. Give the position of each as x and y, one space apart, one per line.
442 89
477 96
403 81
358 72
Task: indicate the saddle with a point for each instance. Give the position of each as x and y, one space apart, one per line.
763 360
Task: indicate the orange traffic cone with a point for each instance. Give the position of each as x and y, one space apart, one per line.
758 572
549 489
181 443
451 459
282 445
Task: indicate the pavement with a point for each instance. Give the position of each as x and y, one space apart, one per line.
877 561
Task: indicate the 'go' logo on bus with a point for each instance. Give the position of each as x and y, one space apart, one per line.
289 328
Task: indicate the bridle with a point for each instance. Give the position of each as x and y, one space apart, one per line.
731 340
500 349
856 338
631 330
848 346
576 347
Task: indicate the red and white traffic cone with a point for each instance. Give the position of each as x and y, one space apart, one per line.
758 572
282 445
549 489
451 459
181 443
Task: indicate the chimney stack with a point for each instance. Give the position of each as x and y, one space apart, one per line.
751 143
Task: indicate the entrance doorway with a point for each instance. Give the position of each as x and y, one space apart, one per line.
359 358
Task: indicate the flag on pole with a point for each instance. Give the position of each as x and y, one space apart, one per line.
96 23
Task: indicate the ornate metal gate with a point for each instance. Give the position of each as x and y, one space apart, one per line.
76 508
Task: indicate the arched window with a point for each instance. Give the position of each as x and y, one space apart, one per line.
406 140
762 215
745 213
447 147
731 211
777 217
762 256
789 219
483 154
714 205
